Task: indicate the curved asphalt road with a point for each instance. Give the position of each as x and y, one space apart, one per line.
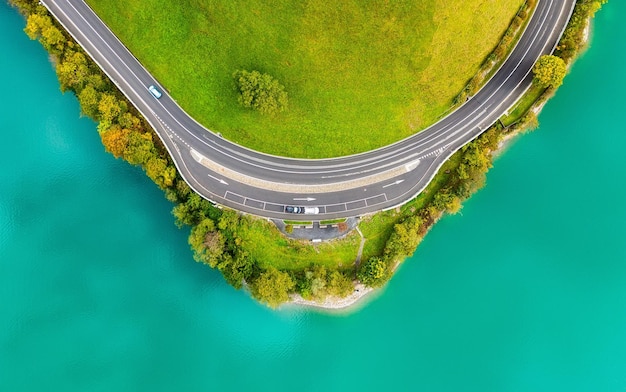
261 184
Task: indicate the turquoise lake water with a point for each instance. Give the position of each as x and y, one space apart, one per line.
523 291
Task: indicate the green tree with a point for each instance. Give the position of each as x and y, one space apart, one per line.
404 238
549 71
272 287
159 171
109 107
128 120
206 242
194 209
73 71
229 222
183 214
89 99
97 82
237 269
373 272
139 148
446 201
40 26
260 92
314 283
339 285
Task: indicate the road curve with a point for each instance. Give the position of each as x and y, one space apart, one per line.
261 184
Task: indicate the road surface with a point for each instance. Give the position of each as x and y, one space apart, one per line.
261 184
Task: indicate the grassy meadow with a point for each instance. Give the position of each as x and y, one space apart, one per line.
359 74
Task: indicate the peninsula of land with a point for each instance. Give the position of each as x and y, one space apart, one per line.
250 251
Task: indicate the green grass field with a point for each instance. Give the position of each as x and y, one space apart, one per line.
359 74
269 247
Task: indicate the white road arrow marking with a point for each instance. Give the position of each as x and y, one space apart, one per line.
393 183
218 179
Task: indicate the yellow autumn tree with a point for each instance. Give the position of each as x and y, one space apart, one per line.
115 140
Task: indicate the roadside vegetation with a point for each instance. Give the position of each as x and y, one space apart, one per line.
249 251
550 70
359 75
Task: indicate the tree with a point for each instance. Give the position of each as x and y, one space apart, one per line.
260 92
549 71
313 285
109 107
404 238
237 269
96 81
194 209
128 120
446 201
373 272
40 26
73 71
272 287
206 242
115 140
159 171
89 99
229 222
339 285
183 214
139 148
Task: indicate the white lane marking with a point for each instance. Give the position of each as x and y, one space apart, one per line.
218 179
460 134
534 39
420 185
179 163
393 183
205 128
305 198
385 195
439 132
161 104
395 152
167 128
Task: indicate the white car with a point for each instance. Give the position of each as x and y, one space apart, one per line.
302 210
154 91
311 210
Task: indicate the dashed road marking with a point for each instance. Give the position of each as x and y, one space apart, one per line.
167 127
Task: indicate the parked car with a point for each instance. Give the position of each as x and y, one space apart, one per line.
302 210
311 210
293 210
